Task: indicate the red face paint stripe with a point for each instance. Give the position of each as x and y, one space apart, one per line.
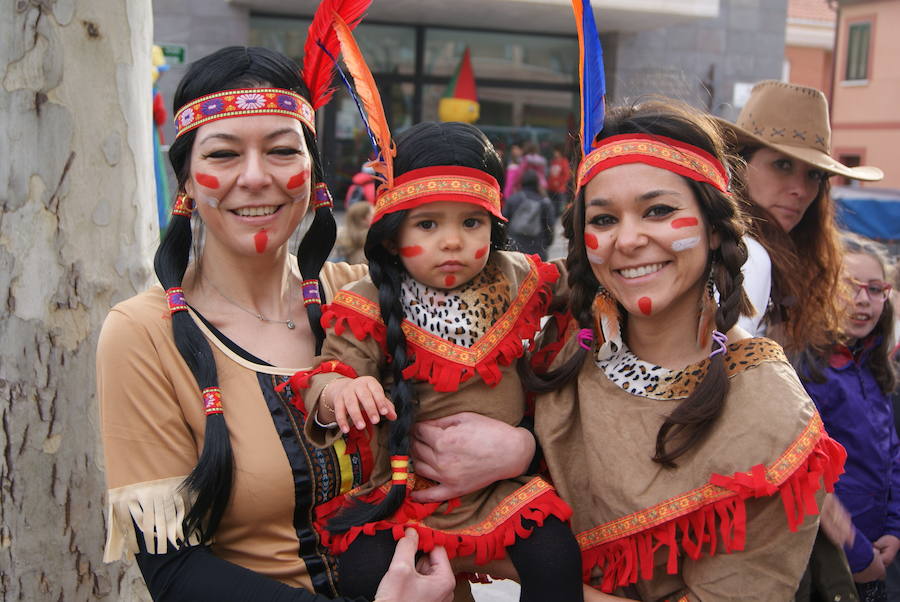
645 305
449 280
684 222
262 240
207 180
591 241
411 251
481 252
297 180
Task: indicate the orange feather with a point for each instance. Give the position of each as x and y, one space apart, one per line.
370 99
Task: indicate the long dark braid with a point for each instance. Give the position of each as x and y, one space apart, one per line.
427 144
233 67
691 419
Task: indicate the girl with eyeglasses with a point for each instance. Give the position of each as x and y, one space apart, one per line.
851 385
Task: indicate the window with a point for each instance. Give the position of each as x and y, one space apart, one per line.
858 51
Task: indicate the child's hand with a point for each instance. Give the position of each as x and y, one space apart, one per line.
887 546
355 400
874 572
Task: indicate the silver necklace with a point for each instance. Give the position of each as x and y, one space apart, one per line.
289 322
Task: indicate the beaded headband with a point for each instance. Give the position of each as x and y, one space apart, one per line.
442 183
243 102
659 151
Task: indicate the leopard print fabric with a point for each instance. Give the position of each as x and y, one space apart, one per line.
634 375
460 316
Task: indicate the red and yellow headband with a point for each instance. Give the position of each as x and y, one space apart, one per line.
659 151
243 102
442 183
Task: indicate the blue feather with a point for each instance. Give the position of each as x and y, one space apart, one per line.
593 84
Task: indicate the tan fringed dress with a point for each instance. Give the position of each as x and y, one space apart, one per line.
735 520
152 423
470 368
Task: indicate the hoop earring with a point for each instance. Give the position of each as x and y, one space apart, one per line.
606 324
708 308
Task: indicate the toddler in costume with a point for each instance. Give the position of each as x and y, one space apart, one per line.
439 322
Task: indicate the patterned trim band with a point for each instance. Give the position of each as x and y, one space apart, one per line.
243 102
659 151
442 183
323 197
212 400
184 205
175 299
399 472
310 292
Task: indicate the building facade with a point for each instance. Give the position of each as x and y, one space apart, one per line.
865 114
524 53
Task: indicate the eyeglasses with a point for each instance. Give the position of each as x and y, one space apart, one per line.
875 289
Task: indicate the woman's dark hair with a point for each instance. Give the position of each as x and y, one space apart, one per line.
530 180
427 144
806 266
229 68
692 418
811 361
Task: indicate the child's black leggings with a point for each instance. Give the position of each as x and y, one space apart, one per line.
548 563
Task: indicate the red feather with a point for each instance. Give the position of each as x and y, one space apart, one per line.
318 67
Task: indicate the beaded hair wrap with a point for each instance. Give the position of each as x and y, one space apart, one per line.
175 299
310 290
322 197
212 400
658 151
184 205
241 103
399 470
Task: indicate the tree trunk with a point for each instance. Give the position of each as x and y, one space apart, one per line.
77 231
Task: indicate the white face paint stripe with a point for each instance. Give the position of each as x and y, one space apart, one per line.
684 244
594 258
211 201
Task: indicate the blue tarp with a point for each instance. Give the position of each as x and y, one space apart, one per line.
872 212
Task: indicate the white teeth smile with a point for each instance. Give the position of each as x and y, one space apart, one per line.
860 317
256 211
641 271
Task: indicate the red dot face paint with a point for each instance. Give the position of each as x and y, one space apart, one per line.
207 180
590 241
262 240
411 251
449 280
297 180
481 252
684 222
645 305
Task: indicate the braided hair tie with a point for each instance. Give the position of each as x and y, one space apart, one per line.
212 400
311 292
322 197
175 299
184 205
586 338
399 470
720 340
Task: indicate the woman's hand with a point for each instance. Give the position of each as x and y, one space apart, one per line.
354 401
836 522
874 572
429 580
466 452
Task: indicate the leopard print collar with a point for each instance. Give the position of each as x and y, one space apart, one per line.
460 316
632 374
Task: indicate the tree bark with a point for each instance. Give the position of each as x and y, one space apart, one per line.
77 232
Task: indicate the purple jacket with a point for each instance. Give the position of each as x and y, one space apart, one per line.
861 418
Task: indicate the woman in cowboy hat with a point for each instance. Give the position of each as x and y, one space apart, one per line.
784 137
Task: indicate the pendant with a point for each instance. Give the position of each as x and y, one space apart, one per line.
290 324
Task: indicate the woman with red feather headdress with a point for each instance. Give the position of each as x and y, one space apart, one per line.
211 480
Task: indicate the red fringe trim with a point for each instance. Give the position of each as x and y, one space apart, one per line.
484 547
543 358
626 560
444 374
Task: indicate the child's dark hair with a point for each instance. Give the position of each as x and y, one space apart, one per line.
811 361
427 144
229 68
692 418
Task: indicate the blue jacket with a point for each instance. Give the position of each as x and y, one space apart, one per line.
861 418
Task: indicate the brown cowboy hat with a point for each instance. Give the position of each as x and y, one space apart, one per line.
793 120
